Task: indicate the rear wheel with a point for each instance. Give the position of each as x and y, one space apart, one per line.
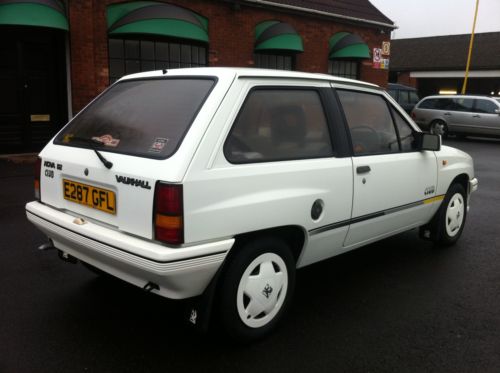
256 288
438 127
450 219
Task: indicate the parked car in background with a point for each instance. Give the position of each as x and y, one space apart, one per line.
405 96
459 114
219 183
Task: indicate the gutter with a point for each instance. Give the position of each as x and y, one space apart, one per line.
320 12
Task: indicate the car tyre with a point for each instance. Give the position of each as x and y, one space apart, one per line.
439 127
449 220
256 288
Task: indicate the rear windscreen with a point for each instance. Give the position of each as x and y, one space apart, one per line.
147 118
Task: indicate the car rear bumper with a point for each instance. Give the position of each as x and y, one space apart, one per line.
179 272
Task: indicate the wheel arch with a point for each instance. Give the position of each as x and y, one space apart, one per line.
293 235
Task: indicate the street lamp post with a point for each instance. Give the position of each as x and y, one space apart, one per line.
464 87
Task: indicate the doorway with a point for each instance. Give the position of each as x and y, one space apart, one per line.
33 97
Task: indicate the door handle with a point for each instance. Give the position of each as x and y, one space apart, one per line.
363 169
476 116
447 113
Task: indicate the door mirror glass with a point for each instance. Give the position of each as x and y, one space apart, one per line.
427 141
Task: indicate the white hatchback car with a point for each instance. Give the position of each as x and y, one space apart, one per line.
218 183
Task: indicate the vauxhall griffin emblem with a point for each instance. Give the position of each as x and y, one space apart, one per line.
267 291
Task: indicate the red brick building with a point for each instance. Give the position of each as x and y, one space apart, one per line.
60 55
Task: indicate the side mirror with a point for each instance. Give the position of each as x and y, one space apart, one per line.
427 141
497 111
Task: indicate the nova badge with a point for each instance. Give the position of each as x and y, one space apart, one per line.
132 181
429 190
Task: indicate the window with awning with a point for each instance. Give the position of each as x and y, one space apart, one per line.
276 44
346 50
38 13
148 35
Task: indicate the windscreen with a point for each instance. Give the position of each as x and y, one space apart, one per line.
147 118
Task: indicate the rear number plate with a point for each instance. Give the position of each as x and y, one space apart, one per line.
97 198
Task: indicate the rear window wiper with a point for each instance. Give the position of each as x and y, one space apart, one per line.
93 144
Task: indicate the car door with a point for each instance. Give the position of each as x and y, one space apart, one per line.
485 118
462 115
277 163
392 180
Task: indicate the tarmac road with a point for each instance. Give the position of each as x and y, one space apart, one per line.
399 305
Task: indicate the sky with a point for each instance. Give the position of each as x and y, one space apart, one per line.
419 18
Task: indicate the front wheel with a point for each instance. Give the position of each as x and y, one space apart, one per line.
450 219
256 288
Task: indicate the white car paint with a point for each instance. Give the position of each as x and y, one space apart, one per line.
223 200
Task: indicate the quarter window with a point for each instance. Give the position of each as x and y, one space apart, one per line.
485 106
128 56
279 124
370 123
405 132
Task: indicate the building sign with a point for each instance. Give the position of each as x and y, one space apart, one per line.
378 61
377 56
386 48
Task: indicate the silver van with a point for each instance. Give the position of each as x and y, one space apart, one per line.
460 115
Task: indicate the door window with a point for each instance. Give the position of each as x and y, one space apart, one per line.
485 106
463 104
279 124
370 123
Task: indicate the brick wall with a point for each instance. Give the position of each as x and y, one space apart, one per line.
404 78
231 33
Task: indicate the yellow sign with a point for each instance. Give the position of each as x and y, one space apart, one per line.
40 117
386 48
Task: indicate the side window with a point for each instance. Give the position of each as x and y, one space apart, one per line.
485 106
403 98
370 123
444 104
463 104
413 97
405 132
428 104
279 124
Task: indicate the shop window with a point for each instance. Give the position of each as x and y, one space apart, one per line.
128 56
344 68
274 61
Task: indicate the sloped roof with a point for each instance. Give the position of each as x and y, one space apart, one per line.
358 9
446 53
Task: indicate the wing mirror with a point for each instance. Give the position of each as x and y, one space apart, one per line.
427 141
497 111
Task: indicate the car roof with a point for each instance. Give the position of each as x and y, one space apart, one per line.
246 73
400 86
459 96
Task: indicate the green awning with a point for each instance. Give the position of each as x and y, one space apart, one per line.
275 35
154 18
347 45
41 13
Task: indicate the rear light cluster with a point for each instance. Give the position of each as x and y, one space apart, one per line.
413 116
168 214
38 170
